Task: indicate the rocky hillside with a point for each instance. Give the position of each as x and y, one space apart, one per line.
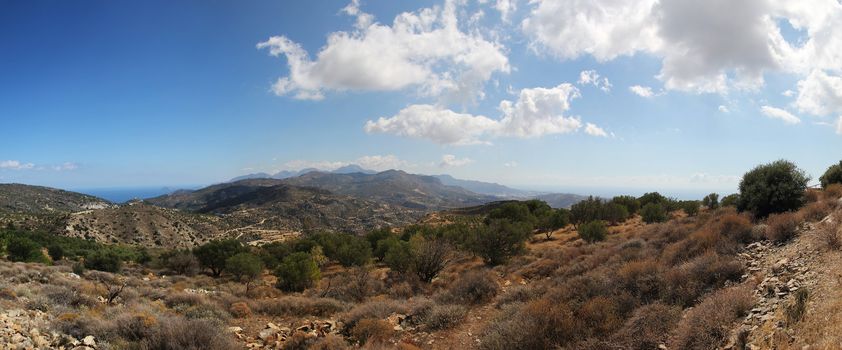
18 198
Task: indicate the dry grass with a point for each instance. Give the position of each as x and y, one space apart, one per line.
782 227
710 322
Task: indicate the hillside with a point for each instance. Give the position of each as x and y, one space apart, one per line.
18 198
560 200
418 192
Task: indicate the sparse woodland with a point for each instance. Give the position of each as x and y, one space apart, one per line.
628 272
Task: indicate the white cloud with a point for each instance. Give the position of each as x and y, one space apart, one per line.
788 93
724 109
15 165
449 160
67 166
777 113
642 91
434 123
506 8
591 77
425 50
373 162
537 112
594 130
511 164
708 178
820 94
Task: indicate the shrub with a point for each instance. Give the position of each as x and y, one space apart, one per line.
299 306
708 324
180 262
833 192
540 324
377 309
711 201
348 250
587 210
244 266
816 211
106 260
473 288
499 240
179 333
691 208
630 202
56 252
653 212
652 198
829 235
593 231
430 257
771 188
833 175
736 227
297 272
649 326
444 317
399 256
369 329
781 227
614 213
214 254
794 312
24 249
730 200
554 220
240 310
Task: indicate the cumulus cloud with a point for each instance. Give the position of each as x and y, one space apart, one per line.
511 164
705 46
15 165
449 160
594 130
425 50
820 94
537 112
777 113
724 109
67 166
839 126
506 8
642 91
591 77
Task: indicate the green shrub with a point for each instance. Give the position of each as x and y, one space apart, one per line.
691 208
297 272
24 249
771 188
430 257
652 198
181 262
730 200
653 212
593 231
833 175
56 252
614 213
630 202
348 250
499 240
711 201
213 254
399 257
587 210
556 219
476 287
104 260
244 266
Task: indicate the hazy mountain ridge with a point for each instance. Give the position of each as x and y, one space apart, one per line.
20 198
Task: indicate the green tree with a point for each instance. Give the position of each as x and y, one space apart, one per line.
399 257
297 272
630 202
711 201
213 254
104 260
730 200
499 240
513 211
586 210
181 262
24 249
691 208
653 212
429 257
614 213
244 266
652 198
56 252
833 175
593 231
772 188
556 220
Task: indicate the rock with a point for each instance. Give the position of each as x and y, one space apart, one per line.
235 329
267 333
89 341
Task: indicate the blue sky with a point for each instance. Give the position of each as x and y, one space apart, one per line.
127 94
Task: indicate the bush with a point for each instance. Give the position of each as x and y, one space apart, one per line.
833 175
399 256
476 287
587 210
781 227
430 257
377 309
630 202
214 254
24 249
691 208
816 211
771 188
554 220
652 198
730 200
498 241
707 325
370 329
593 231
56 252
649 326
444 316
179 333
240 310
299 306
711 201
297 272
736 227
653 212
348 250
614 213
107 260
244 266
180 262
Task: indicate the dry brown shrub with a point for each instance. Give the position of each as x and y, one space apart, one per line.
781 227
708 324
299 306
685 283
377 309
600 316
369 329
648 327
812 195
444 317
184 299
540 268
240 310
475 287
829 233
330 342
540 324
735 226
699 243
642 279
816 211
833 192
